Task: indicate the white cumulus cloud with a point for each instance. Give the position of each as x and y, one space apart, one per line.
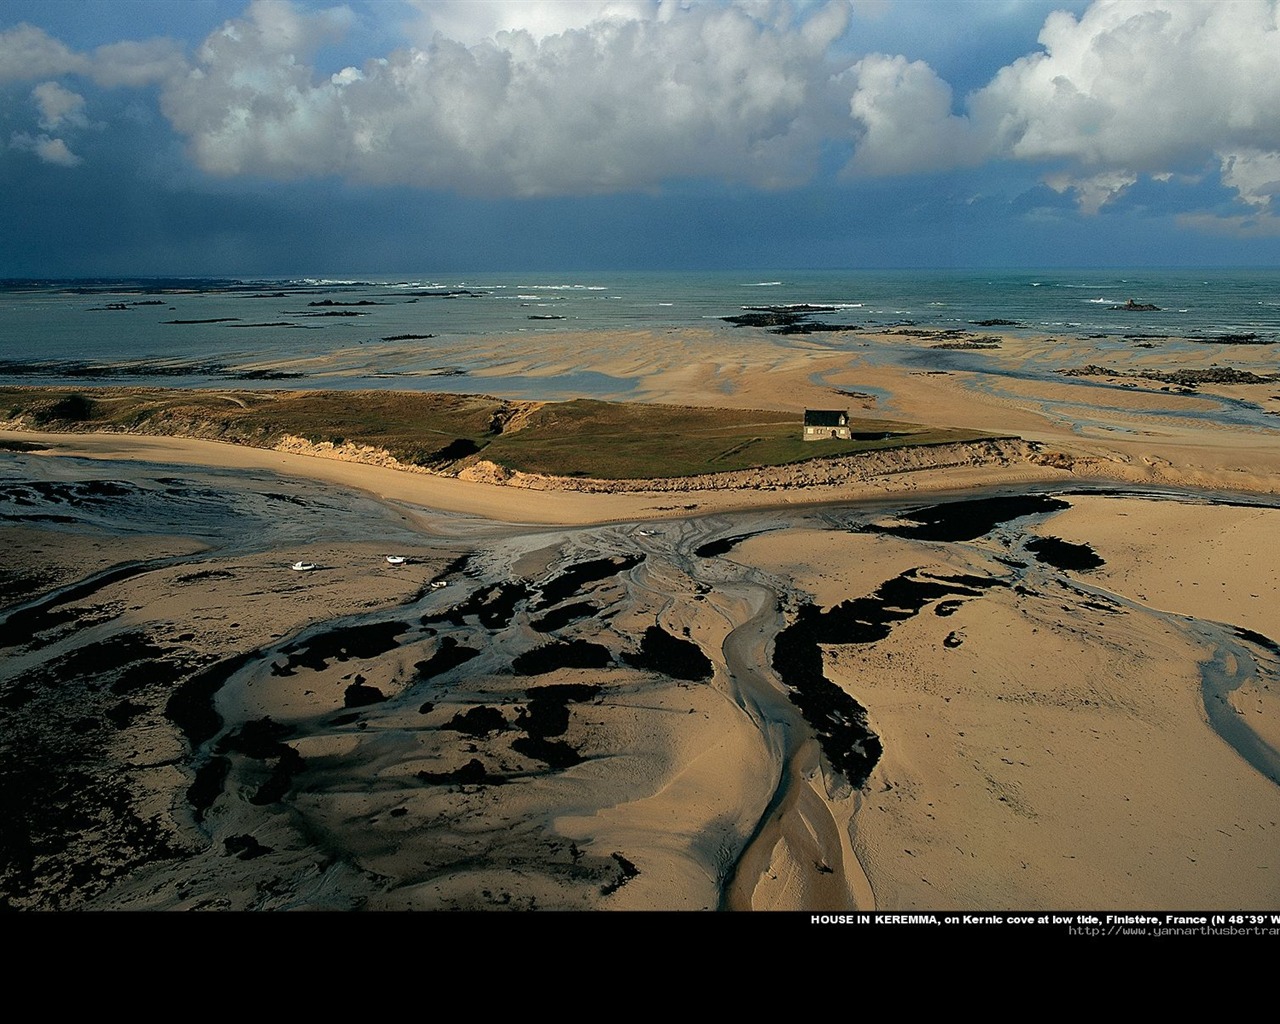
58 106
1133 87
1253 173
556 97
618 103
473 21
1094 191
134 63
1142 87
904 110
49 150
27 52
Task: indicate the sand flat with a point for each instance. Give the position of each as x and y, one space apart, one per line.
352 738
1050 747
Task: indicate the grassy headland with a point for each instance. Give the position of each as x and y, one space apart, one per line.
445 433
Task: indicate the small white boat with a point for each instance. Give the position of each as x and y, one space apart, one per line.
302 566
438 584
396 559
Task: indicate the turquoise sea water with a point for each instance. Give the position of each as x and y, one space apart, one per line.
72 330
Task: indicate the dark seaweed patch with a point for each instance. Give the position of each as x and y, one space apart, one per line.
449 654
839 721
546 715
363 641
722 546
191 708
478 721
560 617
53 610
359 695
17 586
207 785
473 773
245 847
77 494
968 520
561 654
266 374
671 656
143 674
259 739
91 664
626 872
573 579
280 780
493 606
970 580
865 620
556 754
1234 339
547 712
205 574
18 696
1253 637
123 713
1063 554
70 824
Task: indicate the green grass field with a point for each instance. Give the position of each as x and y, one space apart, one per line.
585 438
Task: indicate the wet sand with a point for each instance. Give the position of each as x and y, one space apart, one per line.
593 713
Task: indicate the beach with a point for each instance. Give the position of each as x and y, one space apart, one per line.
1038 672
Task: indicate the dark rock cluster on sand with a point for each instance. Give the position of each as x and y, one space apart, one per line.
1183 378
788 319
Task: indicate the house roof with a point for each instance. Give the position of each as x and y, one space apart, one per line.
826 417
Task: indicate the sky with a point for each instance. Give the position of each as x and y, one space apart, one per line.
429 137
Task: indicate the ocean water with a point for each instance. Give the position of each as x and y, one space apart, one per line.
194 332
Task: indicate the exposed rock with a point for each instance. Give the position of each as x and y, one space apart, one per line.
1235 339
1183 378
969 343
